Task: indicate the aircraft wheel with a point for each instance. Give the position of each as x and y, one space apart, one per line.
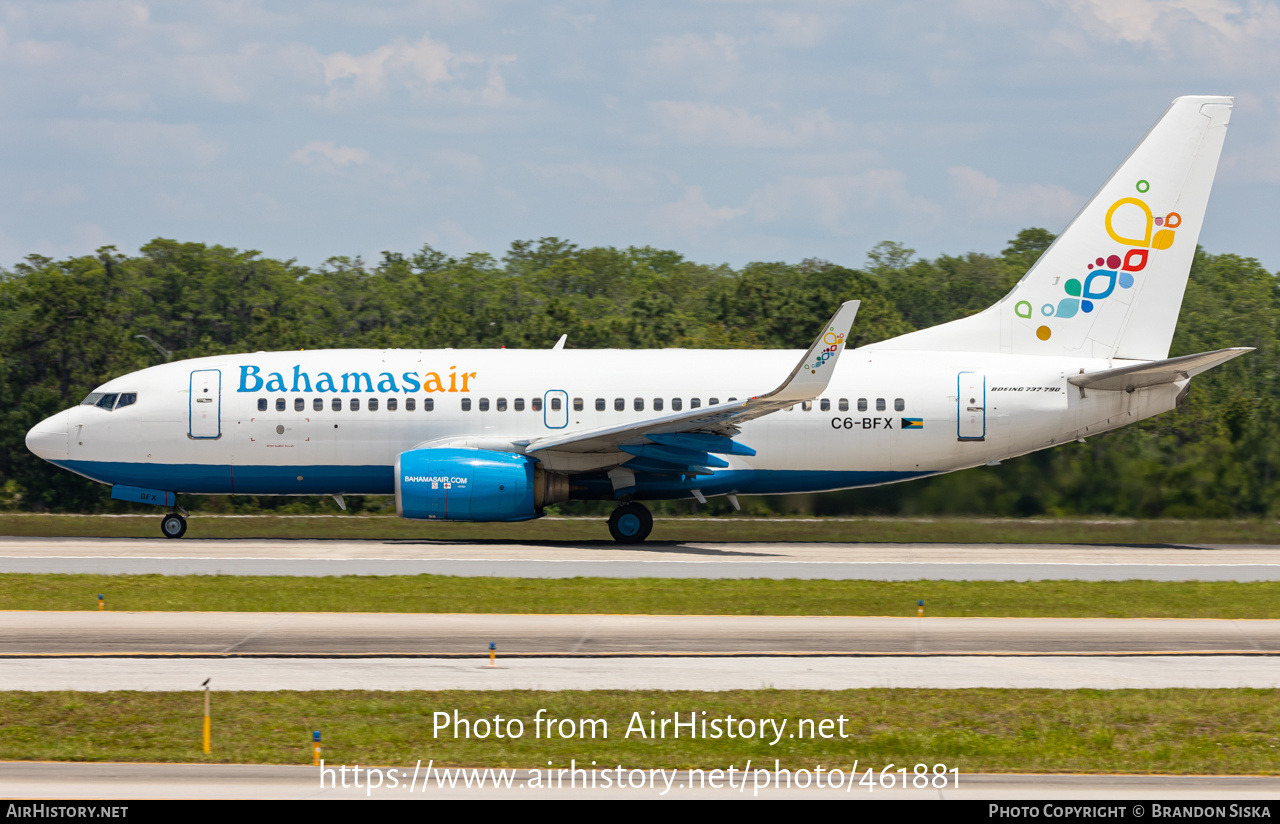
173 525
630 523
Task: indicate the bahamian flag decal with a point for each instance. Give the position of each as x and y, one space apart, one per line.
913 423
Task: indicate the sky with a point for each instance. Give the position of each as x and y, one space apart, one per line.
728 130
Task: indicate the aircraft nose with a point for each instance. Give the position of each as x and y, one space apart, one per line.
48 439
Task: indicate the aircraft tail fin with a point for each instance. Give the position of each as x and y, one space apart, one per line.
1111 285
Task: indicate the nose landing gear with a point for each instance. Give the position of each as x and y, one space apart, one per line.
630 523
173 525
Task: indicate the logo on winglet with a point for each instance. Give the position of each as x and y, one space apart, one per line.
834 340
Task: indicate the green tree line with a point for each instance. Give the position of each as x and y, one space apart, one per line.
68 325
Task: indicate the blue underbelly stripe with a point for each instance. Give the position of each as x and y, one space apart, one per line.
206 479
214 479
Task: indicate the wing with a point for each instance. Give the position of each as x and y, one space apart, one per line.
684 439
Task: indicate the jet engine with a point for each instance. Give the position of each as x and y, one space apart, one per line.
474 485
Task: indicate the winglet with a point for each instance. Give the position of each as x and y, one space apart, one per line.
810 377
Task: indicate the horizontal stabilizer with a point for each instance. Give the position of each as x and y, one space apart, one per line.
1154 373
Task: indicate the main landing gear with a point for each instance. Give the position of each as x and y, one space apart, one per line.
630 523
173 525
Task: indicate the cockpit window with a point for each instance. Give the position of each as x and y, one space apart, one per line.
91 399
127 399
108 400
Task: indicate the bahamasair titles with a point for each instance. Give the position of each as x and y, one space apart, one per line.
1078 347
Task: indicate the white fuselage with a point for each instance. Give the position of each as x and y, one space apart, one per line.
197 425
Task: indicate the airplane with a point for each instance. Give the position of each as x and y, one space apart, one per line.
1080 346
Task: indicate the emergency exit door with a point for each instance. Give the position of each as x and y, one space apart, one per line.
204 419
555 409
971 406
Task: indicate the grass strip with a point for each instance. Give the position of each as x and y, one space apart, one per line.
728 528
652 596
980 730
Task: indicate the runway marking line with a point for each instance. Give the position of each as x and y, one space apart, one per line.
704 615
537 655
761 560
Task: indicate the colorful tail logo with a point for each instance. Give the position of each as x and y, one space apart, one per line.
1112 270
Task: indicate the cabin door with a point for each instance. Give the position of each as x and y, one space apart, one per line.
971 406
204 419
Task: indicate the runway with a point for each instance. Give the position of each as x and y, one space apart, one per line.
959 562
626 673
215 781
273 651
447 635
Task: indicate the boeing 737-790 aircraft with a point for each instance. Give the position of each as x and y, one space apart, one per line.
1078 347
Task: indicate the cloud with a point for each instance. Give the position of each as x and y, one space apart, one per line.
799 30
138 143
706 123
842 204
709 63
328 153
987 199
692 214
601 175
461 163
449 235
423 68
1215 29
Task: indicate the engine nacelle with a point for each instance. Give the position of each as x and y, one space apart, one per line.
474 485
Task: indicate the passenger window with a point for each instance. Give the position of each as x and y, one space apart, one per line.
519 404
336 404
127 399
392 404
862 404
879 404
731 400
555 404
844 404
577 404
299 405
410 404
484 404
466 404
676 404
279 404
694 403
657 404
262 404
639 404
318 404
712 401
899 404
824 405
599 404
807 406
373 404
535 404
502 404
428 404
354 404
